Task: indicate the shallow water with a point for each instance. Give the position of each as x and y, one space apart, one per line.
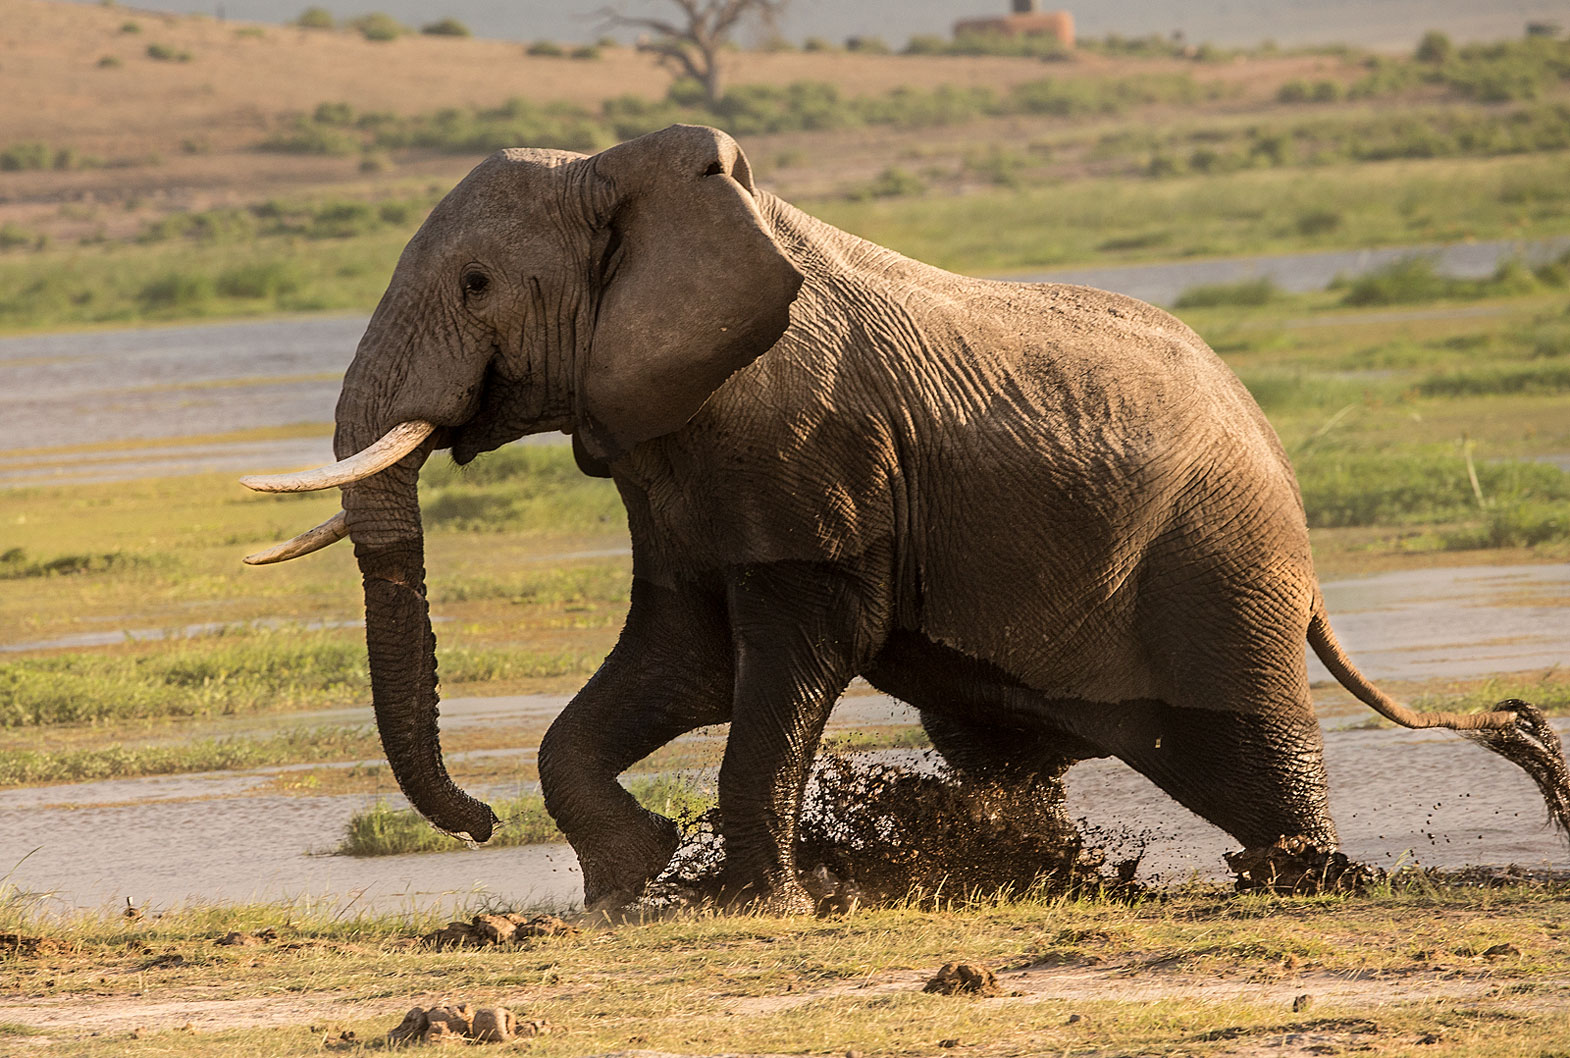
159 384
1395 794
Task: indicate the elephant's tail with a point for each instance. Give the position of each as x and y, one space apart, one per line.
1514 729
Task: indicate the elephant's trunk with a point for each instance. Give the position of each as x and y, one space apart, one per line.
383 516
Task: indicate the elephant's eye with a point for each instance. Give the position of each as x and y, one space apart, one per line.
475 283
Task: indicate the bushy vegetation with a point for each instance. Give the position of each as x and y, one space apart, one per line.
315 18
522 488
1416 279
240 671
377 26
166 53
383 830
1244 292
1497 72
32 154
296 746
1360 488
445 27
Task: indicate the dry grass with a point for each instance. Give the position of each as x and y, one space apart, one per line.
1197 972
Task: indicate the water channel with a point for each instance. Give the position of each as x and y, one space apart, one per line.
163 386
1397 795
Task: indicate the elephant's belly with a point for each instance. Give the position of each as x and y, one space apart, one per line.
938 678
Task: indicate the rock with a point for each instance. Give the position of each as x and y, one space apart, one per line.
1502 951
956 978
411 1029
1074 1019
492 1025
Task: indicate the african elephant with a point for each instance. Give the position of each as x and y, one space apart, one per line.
1047 516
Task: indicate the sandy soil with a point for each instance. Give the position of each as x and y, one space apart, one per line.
181 135
1131 981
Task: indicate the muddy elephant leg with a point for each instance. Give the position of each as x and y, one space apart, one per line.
1255 775
796 632
669 673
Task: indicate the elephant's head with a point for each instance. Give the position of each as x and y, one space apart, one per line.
608 296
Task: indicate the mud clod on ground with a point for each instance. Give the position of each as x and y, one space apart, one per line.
22 945
458 1021
1296 865
963 978
486 930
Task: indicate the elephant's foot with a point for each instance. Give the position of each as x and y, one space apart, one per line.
616 873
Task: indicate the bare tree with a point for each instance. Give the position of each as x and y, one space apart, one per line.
692 44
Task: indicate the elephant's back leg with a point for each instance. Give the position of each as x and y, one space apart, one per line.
1257 775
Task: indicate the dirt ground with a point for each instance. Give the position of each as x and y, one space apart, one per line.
1128 981
182 134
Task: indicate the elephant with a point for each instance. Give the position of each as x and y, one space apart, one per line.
1046 516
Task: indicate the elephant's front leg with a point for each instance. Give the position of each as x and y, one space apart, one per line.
670 673
798 630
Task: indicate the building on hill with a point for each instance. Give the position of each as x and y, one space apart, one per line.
1026 20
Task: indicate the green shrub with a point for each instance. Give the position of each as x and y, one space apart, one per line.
28 155
333 114
893 182
267 279
130 27
866 45
1435 47
1318 221
446 27
109 62
176 290
1387 488
377 26
315 18
13 236
545 48
584 53
1260 291
164 53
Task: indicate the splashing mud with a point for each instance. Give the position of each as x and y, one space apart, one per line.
879 833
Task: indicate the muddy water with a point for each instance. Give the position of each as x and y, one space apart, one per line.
1395 794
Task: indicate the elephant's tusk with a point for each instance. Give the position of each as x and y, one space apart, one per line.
394 445
331 531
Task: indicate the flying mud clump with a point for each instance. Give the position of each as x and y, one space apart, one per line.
875 833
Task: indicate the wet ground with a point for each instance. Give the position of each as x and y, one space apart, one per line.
1397 795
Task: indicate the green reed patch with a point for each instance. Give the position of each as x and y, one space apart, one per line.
240 671
1251 292
16 564
523 488
295 746
609 584
383 830
1345 488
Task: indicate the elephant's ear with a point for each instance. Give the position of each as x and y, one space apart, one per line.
696 288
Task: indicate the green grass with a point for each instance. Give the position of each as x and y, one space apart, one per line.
1384 971
295 746
383 830
241 671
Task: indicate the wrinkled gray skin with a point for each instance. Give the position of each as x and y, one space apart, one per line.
1045 515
